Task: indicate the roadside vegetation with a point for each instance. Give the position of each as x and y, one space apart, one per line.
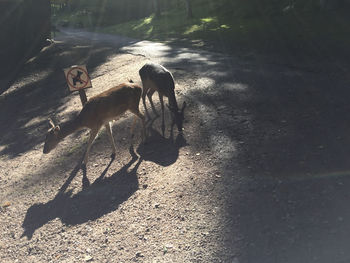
282 27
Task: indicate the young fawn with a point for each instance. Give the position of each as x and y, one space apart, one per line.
155 77
98 111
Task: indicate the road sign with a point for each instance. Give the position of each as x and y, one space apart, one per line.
77 78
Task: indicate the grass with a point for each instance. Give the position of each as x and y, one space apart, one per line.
236 26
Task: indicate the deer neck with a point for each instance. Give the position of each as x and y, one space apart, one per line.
172 102
68 128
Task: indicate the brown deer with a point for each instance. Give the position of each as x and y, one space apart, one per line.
98 111
155 77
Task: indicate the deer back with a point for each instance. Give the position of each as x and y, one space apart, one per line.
158 78
109 104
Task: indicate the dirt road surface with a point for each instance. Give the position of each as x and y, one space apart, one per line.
260 174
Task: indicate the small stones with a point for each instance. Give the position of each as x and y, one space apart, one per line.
87 258
6 204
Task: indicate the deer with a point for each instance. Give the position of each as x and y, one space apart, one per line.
99 111
154 78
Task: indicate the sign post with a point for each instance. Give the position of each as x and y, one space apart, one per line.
83 97
78 79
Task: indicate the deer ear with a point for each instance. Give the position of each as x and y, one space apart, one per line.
51 124
183 106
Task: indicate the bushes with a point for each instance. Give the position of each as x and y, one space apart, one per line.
24 29
103 12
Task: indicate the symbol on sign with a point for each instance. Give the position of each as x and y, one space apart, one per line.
77 78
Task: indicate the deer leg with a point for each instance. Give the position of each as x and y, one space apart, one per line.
172 128
140 115
93 134
162 106
149 95
144 93
132 127
110 135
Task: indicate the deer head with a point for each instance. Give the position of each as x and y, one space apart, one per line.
51 139
178 116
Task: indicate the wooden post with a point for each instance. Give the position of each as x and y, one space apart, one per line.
83 97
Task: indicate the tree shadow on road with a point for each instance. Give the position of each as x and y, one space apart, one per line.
40 91
282 140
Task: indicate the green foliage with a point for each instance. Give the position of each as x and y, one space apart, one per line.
287 26
96 13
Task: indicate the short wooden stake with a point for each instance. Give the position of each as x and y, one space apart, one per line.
83 97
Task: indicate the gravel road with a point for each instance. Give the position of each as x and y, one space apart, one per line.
260 174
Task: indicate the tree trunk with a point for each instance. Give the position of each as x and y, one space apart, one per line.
157 8
189 9
331 4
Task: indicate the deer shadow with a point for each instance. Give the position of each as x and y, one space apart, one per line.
160 150
103 196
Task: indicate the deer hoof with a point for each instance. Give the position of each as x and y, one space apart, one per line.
113 156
